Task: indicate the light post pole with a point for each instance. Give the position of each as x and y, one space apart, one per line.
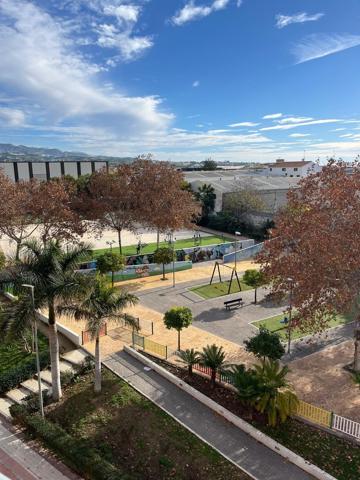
41 403
291 282
173 240
237 234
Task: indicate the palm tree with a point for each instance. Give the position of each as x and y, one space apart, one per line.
190 357
51 271
213 357
101 304
277 399
247 383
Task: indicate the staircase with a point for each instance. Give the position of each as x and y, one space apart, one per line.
68 362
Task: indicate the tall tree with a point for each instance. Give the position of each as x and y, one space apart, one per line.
163 202
101 304
53 213
16 216
314 249
51 271
110 262
115 201
254 278
242 202
163 256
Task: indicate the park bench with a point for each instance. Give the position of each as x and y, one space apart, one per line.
237 302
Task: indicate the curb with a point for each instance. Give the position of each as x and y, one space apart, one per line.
238 422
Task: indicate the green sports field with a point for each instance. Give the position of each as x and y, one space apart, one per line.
179 245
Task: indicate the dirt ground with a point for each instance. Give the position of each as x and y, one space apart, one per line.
320 379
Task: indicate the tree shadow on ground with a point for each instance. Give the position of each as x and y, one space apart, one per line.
215 314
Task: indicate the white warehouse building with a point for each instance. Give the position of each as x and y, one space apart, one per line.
281 168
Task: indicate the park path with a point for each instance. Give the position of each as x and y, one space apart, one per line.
19 461
254 458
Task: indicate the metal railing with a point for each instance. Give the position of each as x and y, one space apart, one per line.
307 411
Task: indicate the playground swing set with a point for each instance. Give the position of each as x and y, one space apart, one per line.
217 266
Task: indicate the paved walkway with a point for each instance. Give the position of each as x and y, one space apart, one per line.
254 458
19 461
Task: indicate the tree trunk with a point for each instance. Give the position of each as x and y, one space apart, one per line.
179 340
190 370
97 387
112 278
157 238
17 254
163 271
119 240
255 296
213 378
54 354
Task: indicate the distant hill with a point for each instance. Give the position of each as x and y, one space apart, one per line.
9 152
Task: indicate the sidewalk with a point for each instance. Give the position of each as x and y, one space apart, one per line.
253 458
19 461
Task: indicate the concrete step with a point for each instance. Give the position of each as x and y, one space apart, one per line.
75 357
17 395
66 366
33 386
45 377
5 404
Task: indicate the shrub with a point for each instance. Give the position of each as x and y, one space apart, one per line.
75 451
265 344
12 378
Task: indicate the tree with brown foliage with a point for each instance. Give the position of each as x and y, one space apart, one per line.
115 203
52 211
16 217
314 250
163 202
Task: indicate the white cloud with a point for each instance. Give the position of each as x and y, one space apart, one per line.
243 124
346 135
124 13
272 116
196 83
338 130
299 135
11 117
285 20
40 62
191 11
320 45
130 47
294 120
289 126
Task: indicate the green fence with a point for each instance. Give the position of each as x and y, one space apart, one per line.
150 346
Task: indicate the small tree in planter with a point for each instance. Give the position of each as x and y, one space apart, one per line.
265 344
110 262
190 357
254 278
178 318
213 357
163 256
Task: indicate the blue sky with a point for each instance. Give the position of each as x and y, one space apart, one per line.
248 80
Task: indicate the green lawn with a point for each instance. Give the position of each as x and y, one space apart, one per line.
14 354
180 244
135 435
273 324
219 289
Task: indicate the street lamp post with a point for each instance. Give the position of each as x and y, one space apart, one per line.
41 403
237 234
291 282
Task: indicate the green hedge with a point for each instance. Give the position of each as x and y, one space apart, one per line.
12 378
74 451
